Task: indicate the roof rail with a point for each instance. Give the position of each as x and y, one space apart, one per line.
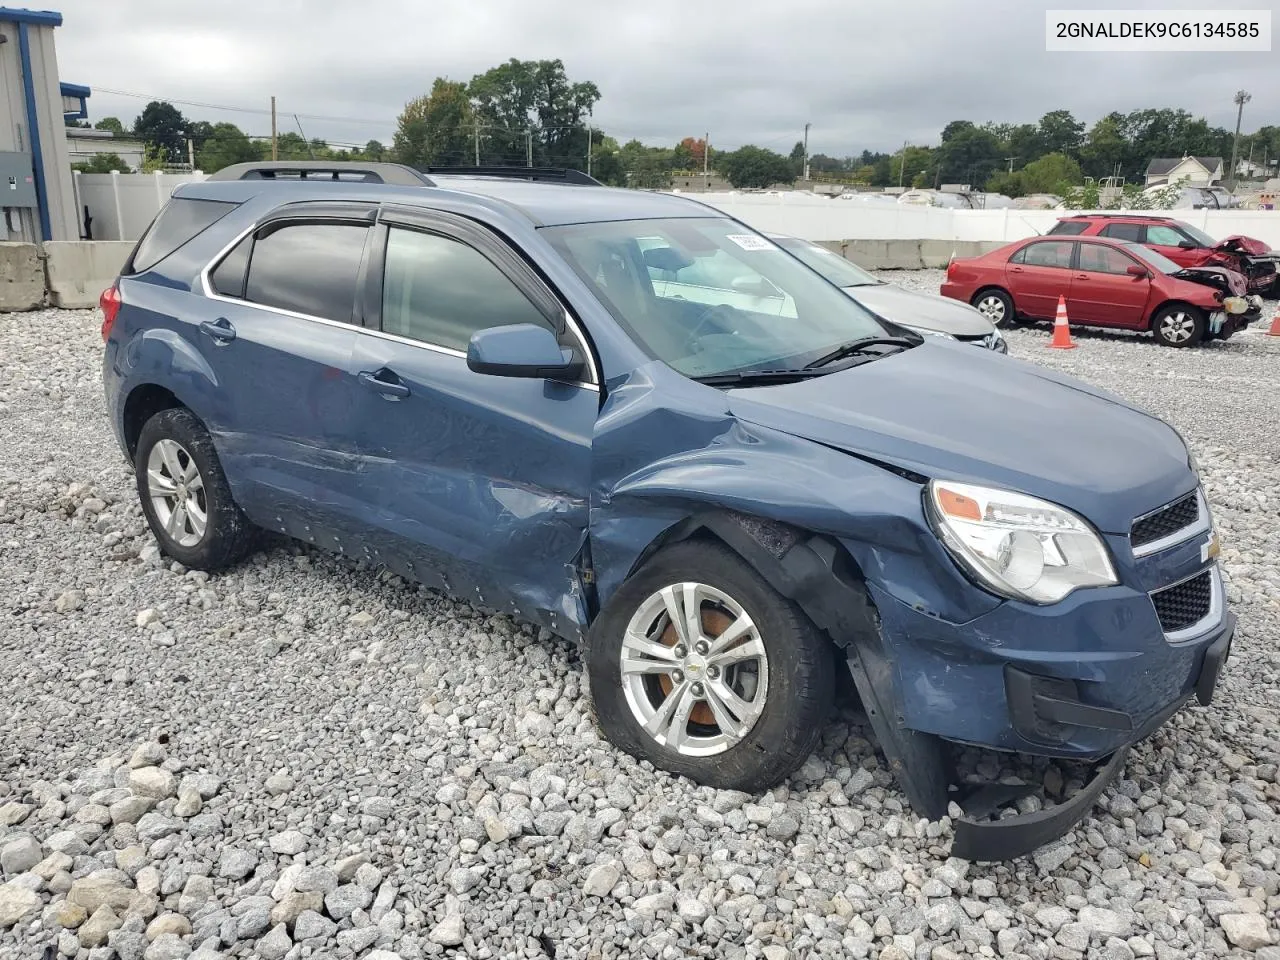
541 174
1134 215
319 171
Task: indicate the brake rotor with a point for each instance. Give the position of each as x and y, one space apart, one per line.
714 623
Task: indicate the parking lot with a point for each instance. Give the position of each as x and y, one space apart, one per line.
336 711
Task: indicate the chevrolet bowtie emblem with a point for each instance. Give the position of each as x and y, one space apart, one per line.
1211 549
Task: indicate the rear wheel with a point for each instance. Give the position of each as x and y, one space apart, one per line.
1179 325
996 305
697 665
185 494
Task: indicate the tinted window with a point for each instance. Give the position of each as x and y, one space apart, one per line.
1097 258
1069 228
1050 253
228 277
179 221
1163 236
309 268
441 291
1124 231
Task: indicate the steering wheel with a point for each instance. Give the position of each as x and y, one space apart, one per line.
705 317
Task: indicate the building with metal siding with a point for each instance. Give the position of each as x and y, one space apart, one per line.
36 195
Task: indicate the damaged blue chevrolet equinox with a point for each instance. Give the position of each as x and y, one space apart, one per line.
638 423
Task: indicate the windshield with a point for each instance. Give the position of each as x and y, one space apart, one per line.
1149 256
1199 236
831 265
707 296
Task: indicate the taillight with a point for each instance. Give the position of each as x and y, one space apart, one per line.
110 304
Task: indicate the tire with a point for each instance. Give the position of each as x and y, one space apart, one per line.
175 442
782 698
996 305
1179 325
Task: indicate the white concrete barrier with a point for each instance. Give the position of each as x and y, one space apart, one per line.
22 285
79 270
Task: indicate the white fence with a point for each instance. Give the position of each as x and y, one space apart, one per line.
817 218
121 205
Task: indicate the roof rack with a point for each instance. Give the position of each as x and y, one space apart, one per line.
319 171
1135 215
541 174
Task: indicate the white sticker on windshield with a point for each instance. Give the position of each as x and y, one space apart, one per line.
748 242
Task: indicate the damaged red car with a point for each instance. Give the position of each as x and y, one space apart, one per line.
1185 245
1106 283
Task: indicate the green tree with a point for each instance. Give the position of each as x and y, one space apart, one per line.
162 126
291 146
436 129
102 163
1105 147
645 168
375 151
112 124
533 95
1053 173
1060 132
753 166
797 159
968 154
225 145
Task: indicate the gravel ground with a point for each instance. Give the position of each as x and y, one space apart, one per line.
305 757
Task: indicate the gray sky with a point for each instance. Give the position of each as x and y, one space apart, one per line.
866 75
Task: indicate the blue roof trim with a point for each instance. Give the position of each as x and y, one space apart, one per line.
74 90
42 18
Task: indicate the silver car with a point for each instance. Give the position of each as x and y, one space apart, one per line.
922 312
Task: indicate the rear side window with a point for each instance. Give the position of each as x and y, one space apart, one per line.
1047 253
308 268
180 221
1069 228
1124 231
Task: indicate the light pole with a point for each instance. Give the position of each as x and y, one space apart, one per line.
806 151
902 164
1241 98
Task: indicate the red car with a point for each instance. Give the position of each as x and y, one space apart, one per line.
1183 244
1106 283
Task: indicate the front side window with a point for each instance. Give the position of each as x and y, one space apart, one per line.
308 268
1098 258
708 297
1123 231
1048 253
1152 259
1196 234
833 267
440 291
1162 236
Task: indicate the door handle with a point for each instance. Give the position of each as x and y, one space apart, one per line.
1082 276
1015 269
219 331
378 380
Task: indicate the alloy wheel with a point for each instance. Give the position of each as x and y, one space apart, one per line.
694 669
1177 326
992 307
177 493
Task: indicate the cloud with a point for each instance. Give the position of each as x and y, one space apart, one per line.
867 76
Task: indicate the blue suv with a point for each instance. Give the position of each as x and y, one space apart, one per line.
482 381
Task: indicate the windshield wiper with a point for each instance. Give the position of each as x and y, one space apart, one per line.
743 378
860 345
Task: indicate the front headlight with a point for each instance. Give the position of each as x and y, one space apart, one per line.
1018 546
927 332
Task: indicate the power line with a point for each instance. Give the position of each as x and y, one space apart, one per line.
235 109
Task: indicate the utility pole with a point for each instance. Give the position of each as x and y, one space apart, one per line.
275 152
1241 98
191 154
588 148
706 159
902 164
806 151
528 144
477 141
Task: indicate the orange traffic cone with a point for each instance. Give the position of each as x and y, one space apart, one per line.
1061 328
1275 324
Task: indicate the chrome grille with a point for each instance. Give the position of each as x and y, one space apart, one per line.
1166 521
1184 604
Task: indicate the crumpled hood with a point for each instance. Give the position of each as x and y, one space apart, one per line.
922 310
1217 277
1255 248
945 410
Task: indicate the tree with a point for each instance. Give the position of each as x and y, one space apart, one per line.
375 151
1053 173
646 168
753 166
533 97
797 159
1060 132
163 126
697 147
102 163
436 130
225 145
112 124
969 155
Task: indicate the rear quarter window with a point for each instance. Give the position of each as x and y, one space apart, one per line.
1069 228
181 221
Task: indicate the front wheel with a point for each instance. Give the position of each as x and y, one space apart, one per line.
700 667
1179 325
996 306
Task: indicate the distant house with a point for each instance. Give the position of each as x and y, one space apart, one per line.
1196 171
83 144
1251 170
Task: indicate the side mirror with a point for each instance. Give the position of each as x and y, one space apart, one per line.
521 350
1134 270
1188 244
